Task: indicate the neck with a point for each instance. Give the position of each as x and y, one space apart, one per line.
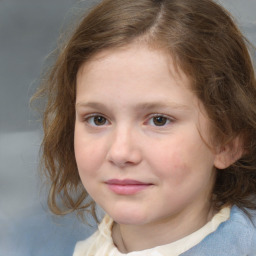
129 238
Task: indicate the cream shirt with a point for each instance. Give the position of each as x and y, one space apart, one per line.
101 243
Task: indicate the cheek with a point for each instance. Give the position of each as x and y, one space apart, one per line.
175 168
88 163
170 160
88 156
187 173
181 161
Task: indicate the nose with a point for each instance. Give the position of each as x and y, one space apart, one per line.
124 149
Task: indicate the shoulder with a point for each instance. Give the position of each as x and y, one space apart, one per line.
238 232
101 238
246 224
242 219
236 237
83 246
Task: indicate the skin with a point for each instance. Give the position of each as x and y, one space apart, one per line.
120 94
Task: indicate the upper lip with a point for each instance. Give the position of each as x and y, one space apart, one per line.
125 182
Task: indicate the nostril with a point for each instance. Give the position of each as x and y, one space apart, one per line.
123 158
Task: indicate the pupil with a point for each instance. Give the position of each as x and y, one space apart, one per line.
159 120
99 120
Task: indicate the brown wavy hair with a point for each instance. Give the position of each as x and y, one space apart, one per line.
205 43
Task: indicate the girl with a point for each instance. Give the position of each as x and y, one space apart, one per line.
151 111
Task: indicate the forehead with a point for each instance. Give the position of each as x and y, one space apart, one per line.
139 59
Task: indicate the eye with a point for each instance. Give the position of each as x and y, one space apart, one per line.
159 120
96 120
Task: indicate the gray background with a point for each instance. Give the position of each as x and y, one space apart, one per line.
29 31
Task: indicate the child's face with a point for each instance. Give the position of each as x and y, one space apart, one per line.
138 147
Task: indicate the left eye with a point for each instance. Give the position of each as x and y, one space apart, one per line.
96 120
159 121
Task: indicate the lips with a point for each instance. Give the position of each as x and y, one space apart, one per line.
127 186
125 182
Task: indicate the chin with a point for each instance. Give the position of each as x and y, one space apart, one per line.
129 218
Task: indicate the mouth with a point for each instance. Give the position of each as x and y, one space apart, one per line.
127 186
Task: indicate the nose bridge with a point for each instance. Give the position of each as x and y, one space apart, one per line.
124 148
123 135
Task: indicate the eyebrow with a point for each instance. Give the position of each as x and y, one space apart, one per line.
141 106
164 105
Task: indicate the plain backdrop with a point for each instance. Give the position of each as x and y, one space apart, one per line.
29 31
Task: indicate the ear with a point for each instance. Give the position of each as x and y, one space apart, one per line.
229 153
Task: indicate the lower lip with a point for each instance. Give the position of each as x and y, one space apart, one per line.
129 189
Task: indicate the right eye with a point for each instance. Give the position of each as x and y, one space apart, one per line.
96 120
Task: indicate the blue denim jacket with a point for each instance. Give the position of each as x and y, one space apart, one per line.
235 237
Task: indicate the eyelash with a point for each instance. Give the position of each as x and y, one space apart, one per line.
167 119
91 118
